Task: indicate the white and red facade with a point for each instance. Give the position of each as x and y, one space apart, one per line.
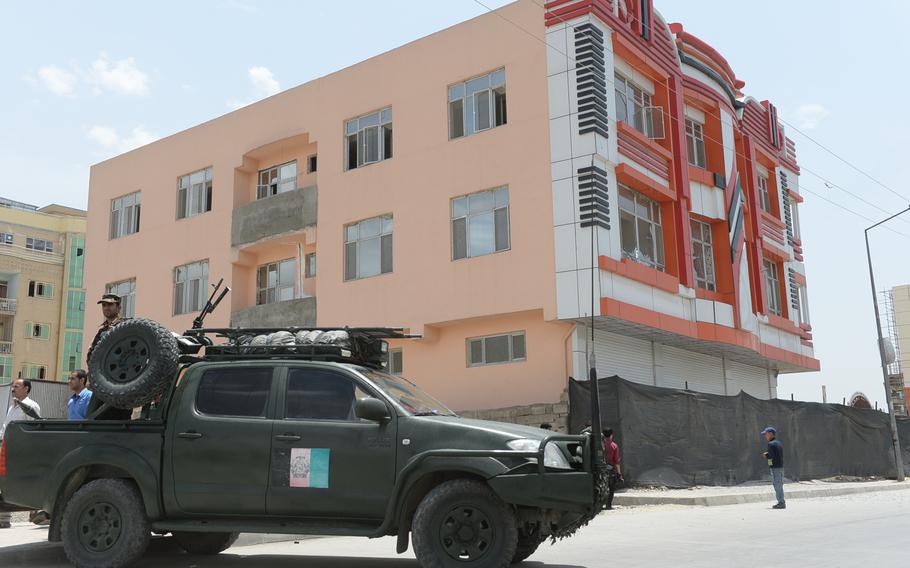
564 161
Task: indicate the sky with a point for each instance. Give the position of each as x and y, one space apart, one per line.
84 81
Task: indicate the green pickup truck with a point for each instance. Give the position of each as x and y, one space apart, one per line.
307 435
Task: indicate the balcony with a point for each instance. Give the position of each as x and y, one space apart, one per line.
290 313
6 347
8 306
274 216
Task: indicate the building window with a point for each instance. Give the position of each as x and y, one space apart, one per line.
275 282
480 223
803 306
6 369
311 164
35 330
368 248
75 309
125 215
633 106
368 139
191 282
39 245
40 290
477 104
396 361
76 262
496 349
794 214
310 271
764 194
772 285
6 238
30 371
641 233
277 179
126 289
703 255
695 143
194 193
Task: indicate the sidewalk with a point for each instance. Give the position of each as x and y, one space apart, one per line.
751 493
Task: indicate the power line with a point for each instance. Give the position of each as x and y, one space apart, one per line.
828 150
674 118
848 210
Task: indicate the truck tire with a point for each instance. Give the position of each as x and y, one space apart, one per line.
104 525
527 545
462 523
133 363
205 543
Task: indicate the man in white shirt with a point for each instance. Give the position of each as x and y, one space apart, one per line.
21 408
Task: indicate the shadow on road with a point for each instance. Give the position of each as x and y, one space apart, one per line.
165 552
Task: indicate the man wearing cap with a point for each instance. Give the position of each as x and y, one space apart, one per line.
775 457
110 308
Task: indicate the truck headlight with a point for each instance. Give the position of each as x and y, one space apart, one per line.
552 455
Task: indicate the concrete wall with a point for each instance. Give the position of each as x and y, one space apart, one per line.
555 414
292 313
279 214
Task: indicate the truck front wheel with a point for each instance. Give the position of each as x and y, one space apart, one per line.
462 523
205 543
104 524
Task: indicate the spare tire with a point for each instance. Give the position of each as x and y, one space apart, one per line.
133 363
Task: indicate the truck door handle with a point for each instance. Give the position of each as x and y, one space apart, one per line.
189 435
287 438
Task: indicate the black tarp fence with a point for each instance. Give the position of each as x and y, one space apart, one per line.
679 438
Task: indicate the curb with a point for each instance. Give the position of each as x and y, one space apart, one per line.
768 496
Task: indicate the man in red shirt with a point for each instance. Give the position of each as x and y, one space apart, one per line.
611 454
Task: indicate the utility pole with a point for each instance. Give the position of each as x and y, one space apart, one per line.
895 441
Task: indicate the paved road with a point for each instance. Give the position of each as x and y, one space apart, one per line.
857 530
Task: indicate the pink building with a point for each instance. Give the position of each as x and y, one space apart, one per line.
454 192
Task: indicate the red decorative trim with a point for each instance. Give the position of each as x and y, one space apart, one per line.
643 151
703 294
640 182
703 331
784 324
640 273
710 52
776 253
701 175
771 219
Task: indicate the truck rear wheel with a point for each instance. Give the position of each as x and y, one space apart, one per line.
104 524
205 543
133 363
463 523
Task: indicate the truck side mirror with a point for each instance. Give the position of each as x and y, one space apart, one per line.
372 409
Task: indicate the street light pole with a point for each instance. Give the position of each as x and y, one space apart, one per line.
895 441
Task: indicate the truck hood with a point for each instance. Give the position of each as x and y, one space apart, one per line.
429 432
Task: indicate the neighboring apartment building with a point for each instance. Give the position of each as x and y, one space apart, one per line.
459 179
42 296
899 323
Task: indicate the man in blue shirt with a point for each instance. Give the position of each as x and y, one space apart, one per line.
775 457
77 405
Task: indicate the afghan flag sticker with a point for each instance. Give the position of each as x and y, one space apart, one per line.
309 468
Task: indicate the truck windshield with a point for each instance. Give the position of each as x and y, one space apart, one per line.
408 396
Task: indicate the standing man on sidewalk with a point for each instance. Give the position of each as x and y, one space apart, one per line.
775 457
611 454
22 408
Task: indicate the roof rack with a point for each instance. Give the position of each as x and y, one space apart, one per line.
358 345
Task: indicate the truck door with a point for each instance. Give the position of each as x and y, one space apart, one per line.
220 441
325 461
